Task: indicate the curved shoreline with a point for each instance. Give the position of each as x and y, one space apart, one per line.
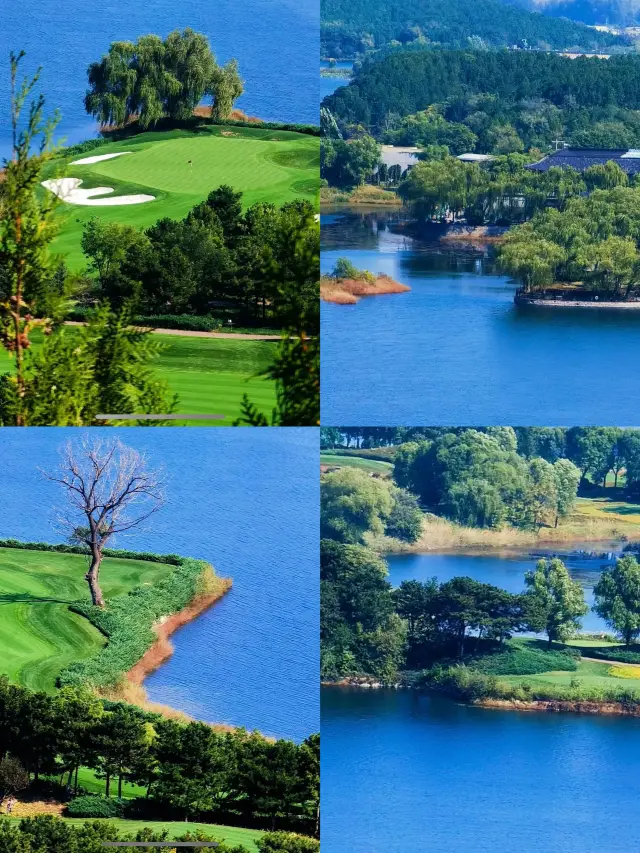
576 303
133 690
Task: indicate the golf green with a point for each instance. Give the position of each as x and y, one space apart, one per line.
39 635
209 375
180 168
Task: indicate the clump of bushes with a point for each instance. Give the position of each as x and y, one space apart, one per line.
617 654
287 842
345 269
95 806
523 661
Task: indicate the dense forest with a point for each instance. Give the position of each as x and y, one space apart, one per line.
189 771
350 27
509 100
618 13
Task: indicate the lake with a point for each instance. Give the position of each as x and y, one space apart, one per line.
328 85
405 773
455 349
247 501
276 43
506 571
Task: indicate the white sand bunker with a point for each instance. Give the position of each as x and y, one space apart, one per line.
97 158
68 189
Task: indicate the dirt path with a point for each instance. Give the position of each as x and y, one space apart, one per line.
610 662
184 333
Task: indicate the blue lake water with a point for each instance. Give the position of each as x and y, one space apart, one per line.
328 85
455 349
403 773
276 43
426 775
505 571
247 501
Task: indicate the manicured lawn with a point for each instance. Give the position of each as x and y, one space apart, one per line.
180 168
39 635
210 375
232 835
87 779
356 462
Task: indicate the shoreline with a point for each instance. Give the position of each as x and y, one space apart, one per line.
549 706
577 303
132 688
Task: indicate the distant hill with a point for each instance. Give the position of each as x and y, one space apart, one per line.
619 13
354 26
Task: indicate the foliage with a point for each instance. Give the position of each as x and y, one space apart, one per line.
358 629
187 768
287 842
623 671
155 79
510 99
617 597
593 241
523 661
13 777
91 806
555 601
355 26
349 163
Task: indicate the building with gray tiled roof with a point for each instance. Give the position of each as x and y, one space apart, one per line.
582 158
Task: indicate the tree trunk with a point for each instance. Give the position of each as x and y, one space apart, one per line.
615 479
75 786
120 787
108 785
92 579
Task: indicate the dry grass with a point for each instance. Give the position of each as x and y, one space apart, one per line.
593 520
347 291
365 194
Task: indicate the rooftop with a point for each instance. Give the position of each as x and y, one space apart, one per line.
582 158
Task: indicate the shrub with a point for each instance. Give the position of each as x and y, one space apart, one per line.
621 671
287 842
94 806
517 661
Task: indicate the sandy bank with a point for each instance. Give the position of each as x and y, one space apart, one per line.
348 291
98 158
132 689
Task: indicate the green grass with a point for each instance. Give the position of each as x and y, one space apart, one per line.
356 462
232 835
39 635
210 375
88 780
265 165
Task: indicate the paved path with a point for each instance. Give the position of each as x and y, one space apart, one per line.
189 334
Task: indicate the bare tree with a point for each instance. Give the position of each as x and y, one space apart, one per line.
111 490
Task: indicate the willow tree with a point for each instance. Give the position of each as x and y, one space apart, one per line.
110 489
153 79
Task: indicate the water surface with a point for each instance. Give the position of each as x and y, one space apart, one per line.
455 349
504 571
276 43
245 501
405 773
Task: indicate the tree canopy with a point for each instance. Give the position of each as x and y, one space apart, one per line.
153 79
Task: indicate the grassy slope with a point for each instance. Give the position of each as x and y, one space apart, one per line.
209 375
265 165
233 835
590 673
39 636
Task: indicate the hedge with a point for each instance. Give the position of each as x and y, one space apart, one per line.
171 559
617 654
95 806
524 662
188 322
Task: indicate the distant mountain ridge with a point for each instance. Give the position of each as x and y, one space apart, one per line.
354 26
